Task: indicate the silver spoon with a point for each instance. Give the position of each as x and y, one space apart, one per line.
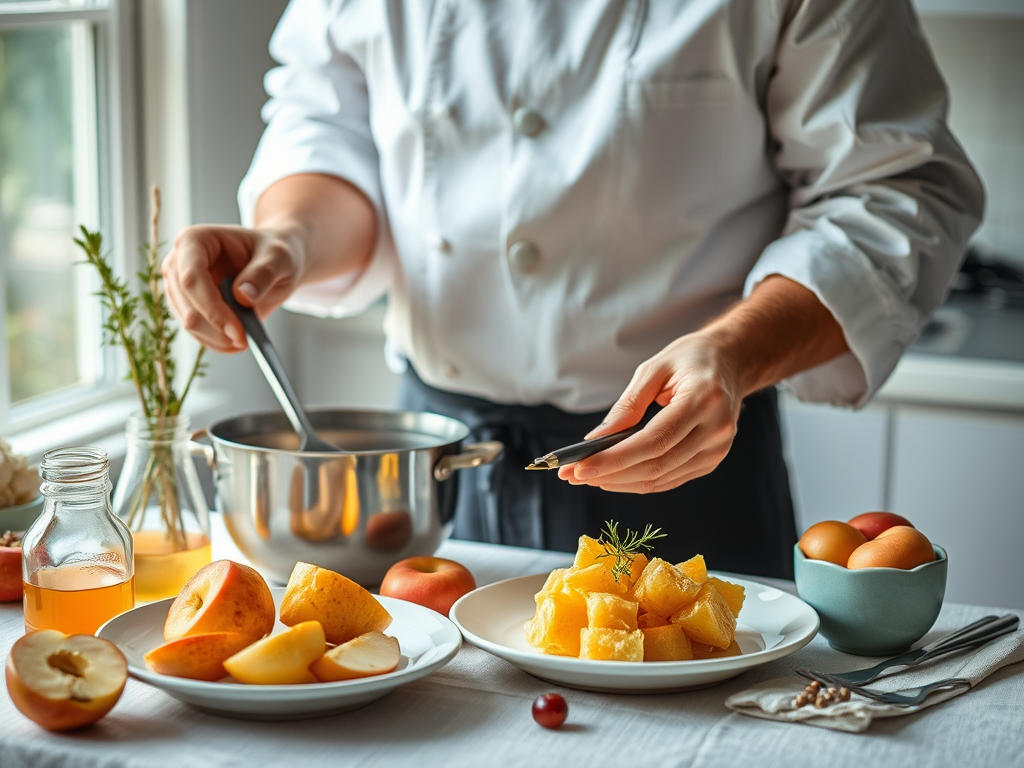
273 370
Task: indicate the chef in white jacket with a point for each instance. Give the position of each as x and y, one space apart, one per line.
587 210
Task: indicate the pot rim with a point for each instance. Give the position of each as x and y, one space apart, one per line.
456 430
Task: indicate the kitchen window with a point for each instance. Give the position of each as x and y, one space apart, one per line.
67 157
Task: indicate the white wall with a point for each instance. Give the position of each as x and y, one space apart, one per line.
983 63
225 63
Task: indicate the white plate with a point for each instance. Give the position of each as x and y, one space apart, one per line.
427 640
771 625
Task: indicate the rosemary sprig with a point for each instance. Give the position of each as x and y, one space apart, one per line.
625 548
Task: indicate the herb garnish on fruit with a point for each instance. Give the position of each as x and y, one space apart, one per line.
625 548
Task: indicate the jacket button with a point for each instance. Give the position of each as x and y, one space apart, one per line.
527 121
439 243
523 255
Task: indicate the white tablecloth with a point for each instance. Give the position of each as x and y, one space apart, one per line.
476 712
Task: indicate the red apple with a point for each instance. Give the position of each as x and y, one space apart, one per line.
64 681
11 585
873 523
429 581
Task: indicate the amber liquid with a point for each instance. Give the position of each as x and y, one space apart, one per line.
76 599
160 570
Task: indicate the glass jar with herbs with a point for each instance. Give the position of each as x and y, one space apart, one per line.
158 494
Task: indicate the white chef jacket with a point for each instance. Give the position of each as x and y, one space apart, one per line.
564 187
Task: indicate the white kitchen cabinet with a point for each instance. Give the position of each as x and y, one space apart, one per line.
836 458
959 476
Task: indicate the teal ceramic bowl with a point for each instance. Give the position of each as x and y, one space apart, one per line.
872 611
19 518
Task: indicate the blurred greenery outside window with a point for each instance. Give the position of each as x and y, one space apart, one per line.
50 145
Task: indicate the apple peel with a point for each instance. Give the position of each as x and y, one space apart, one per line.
197 657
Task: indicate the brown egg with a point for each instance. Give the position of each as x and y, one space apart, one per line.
831 540
898 547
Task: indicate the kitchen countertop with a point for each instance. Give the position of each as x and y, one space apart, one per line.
969 355
476 711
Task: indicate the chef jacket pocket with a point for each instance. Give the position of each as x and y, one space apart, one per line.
671 145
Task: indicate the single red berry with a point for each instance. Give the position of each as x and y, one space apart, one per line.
550 710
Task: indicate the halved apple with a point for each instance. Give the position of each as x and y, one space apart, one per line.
282 659
64 681
371 654
197 657
223 596
343 608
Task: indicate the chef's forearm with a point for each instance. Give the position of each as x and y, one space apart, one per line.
330 225
780 330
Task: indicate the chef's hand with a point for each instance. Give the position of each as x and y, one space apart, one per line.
693 432
700 380
267 266
309 227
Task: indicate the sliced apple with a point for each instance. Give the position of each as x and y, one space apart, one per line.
371 654
282 659
223 596
343 608
198 657
64 681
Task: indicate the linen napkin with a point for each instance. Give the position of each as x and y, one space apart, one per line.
773 699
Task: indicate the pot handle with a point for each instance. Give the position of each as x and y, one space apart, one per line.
197 448
473 455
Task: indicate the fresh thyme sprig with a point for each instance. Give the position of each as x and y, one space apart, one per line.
625 548
147 336
143 326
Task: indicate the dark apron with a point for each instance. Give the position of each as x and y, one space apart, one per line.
740 517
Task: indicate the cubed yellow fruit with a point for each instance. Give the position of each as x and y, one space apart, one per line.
595 578
610 611
702 651
589 552
649 620
282 659
611 644
555 628
552 584
695 568
664 589
667 643
734 594
708 618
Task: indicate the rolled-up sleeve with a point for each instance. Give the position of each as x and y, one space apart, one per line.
318 122
883 199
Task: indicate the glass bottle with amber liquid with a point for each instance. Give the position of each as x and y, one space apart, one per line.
77 561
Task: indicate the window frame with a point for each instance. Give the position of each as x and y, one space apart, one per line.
117 161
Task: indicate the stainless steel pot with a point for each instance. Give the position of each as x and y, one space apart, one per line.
388 496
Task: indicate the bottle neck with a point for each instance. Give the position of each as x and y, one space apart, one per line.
75 475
